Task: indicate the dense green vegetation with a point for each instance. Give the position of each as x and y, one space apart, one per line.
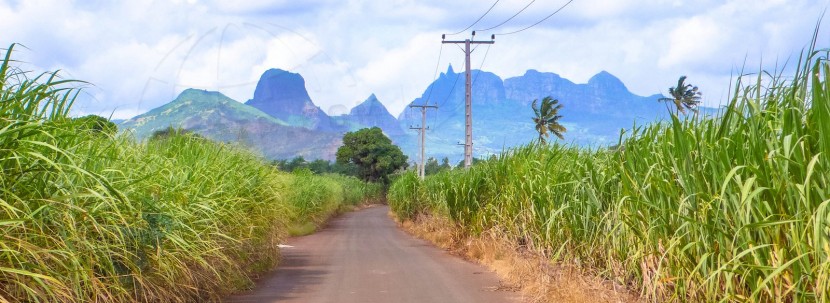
372 153
432 167
317 166
734 208
86 216
97 124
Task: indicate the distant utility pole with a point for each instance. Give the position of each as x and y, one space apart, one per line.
462 144
422 130
468 145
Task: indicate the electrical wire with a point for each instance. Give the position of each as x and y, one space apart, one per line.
480 67
457 76
508 19
408 110
435 75
452 89
488 51
455 111
540 21
479 19
449 95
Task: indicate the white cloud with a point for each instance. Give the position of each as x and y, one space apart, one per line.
140 54
694 41
400 72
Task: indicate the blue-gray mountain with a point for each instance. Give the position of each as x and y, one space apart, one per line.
594 113
371 113
282 121
283 95
220 118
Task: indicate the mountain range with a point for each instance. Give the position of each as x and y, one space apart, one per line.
281 121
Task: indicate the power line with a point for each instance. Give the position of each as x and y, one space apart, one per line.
468 145
435 75
540 21
452 89
479 19
480 67
458 75
455 110
508 19
422 133
447 99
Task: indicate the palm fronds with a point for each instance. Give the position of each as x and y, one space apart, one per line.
547 119
684 96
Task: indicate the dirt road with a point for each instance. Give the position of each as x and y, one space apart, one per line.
363 257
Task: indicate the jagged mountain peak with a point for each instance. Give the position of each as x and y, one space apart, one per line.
196 91
608 81
277 71
369 113
280 84
450 71
532 73
283 95
191 108
285 121
370 105
200 96
372 99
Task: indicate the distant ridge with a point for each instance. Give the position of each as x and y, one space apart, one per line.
371 113
220 118
282 121
283 95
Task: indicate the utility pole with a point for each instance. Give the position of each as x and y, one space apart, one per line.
422 130
462 144
468 144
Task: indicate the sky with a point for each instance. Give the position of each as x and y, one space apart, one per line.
138 55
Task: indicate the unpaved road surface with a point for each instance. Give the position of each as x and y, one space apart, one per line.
363 257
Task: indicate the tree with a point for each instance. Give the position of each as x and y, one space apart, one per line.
432 167
320 166
169 132
373 153
297 163
684 96
348 169
547 119
96 124
445 164
461 163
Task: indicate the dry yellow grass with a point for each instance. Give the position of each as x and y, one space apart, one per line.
520 269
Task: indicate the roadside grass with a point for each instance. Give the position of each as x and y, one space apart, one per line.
302 229
538 278
317 198
733 208
88 216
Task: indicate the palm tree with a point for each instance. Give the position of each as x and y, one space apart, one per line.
684 96
547 119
